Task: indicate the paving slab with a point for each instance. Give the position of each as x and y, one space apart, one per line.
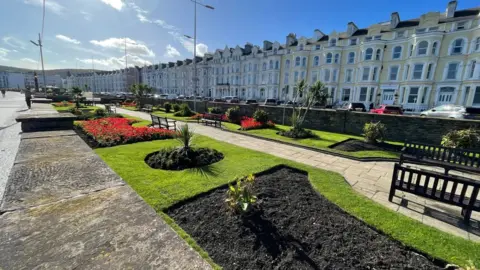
44 134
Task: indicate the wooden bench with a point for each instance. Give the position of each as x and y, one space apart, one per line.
147 108
163 122
453 190
445 157
211 119
110 108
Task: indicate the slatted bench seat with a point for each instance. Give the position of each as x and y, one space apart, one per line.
211 119
453 190
148 108
163 122
445 157
110 108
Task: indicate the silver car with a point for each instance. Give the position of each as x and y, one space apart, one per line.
445 111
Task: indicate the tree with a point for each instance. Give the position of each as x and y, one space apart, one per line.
140 91
77 94
310 95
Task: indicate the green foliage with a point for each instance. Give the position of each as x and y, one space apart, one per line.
100 112
167 106
233 114
75 111
240 196
374 132
184 111
309 95
77 94
260 116
185 136
140 91
180 158
215 110
176 107
466 138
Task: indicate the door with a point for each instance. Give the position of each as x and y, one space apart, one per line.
388 96
445 96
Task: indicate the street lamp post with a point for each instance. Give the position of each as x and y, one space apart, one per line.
195 51
41 57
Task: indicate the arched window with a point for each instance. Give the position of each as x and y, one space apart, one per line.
422 48
277 64
397 52
297 61
368 54
457 47
316 60
264 66
337 58
304 62
378 54
472 68
434 48
270 65
328 59
287 63
351 58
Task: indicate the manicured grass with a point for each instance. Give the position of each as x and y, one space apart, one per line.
142 122
162 189
170 115
324 140
130 108
84 108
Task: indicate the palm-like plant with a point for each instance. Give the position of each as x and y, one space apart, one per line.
77 94
185 136
140 91
315 93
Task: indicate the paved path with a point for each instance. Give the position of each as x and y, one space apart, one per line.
371 179
10 107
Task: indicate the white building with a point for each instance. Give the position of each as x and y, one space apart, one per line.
12 80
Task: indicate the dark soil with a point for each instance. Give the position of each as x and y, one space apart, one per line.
294 227
353 145
180 159
297 133
86 138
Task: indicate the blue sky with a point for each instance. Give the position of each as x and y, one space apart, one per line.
78 30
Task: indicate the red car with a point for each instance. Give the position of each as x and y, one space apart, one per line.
387 109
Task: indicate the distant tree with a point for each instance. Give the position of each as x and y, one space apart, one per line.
77 94
140 91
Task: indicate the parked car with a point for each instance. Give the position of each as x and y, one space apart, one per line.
227 98
354 106
445 111
387 109
181 97
234 100
270 101
218 100
472 113
251 101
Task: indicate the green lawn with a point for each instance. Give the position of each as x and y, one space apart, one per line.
324 140
161 189
84 108
170 115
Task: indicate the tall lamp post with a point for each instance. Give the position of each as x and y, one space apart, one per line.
195 51
41 57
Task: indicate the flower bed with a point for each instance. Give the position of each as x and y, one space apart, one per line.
107 132
197 116
248 123
63 104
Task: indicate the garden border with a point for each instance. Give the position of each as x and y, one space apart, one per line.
436 261
363 159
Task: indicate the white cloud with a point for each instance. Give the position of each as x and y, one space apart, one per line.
133 47
3 54
117 62
187 43
67 39
49 4
143 19
116 4
87 16
137 8
165 25
29 60
171 52
14 43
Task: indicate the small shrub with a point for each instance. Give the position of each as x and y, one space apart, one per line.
185 136
176 107
100 112
260 116
233 114
298 133
184 111
240 196
75 111
181 158
374 132
215 110
167 106
466 138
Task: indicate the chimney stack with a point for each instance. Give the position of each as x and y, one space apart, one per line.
394 19
451 7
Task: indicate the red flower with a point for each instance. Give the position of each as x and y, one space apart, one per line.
114 131
248 123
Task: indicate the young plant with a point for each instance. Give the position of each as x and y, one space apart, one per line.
466 138
260 116
310 95
176 107
167 106
374 132
240 196
140 91
77 94
184 111
185 135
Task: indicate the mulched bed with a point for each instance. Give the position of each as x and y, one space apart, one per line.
354 145
180 159
296 228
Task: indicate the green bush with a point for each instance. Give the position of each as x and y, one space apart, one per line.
75 111
260 116
176 107
100 112
374 132
215 110
466 138
184 111
233 114
240 195
167 106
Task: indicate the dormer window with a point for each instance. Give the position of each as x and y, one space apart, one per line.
368 39
421 30
300 47
401 34
432 29
333 42
461 26
317 47
353 41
